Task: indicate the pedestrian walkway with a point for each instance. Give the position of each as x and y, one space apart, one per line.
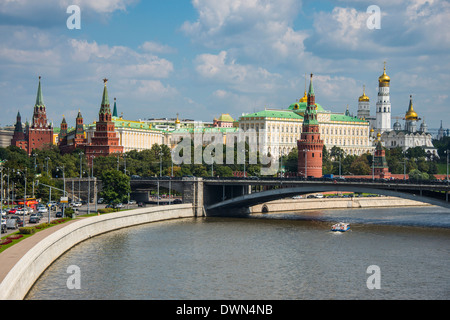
12 255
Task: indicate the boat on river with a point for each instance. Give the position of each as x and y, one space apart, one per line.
340 227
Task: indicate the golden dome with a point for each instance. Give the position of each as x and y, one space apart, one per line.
178 120
304 99
411 114
384 78
364 97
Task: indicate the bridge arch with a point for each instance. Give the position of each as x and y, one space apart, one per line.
248 200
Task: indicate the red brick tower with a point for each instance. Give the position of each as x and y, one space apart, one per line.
380 166
105 140
310 145
40 133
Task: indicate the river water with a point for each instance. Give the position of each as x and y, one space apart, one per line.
283 256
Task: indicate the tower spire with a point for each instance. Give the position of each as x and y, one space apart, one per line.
105 109
39 97
115 108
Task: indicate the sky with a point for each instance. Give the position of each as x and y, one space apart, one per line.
202 58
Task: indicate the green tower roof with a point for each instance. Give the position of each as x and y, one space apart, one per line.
39 97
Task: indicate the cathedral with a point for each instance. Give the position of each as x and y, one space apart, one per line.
39 133
410 136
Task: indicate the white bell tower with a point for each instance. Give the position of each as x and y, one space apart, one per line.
383 118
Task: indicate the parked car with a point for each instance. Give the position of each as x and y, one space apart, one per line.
76 204
177 201
21 211
34 218
132 202
118 206
141 204
12 211
11 223
100 201
59 214
19 220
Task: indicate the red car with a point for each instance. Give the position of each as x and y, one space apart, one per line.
12 211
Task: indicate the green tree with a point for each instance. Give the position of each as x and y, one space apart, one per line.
116 186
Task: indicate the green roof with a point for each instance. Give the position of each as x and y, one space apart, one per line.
343 117
303 105
285 114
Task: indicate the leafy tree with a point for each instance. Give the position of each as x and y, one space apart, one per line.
116 186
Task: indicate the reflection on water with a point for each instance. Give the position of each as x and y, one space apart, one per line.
276 256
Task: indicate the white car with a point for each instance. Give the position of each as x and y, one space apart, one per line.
42 210
76 204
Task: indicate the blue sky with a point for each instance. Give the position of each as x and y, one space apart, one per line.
202 58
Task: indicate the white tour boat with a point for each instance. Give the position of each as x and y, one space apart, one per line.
341 226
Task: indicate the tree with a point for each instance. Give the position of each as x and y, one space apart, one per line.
116 186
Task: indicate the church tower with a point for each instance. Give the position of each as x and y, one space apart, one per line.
363 106
411 118
383 117
310 145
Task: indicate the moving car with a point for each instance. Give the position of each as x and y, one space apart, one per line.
34 218
42 210
59 214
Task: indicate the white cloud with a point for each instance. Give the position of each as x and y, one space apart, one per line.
242 78
259 30
154 47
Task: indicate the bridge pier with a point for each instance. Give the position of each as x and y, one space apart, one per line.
193 193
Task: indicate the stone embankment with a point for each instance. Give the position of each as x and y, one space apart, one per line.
332 203
22 264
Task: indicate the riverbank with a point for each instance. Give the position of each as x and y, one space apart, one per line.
333 203
23 263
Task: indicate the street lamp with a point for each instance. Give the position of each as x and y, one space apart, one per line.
447 151
160 164
64 181
79 181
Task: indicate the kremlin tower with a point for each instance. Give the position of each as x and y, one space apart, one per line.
310 145
105 140
39 133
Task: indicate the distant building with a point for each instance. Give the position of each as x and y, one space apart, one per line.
37 135
411 136
224 121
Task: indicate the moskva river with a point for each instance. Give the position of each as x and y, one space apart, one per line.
396 253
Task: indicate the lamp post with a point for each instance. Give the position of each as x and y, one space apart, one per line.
1 191
446 151
79 181
64 192
160 164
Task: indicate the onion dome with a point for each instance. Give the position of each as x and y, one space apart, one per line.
304 99
364 97
178 120
384 79
397 126
411 114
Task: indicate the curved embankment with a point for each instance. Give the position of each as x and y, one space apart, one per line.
33 262
333 203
